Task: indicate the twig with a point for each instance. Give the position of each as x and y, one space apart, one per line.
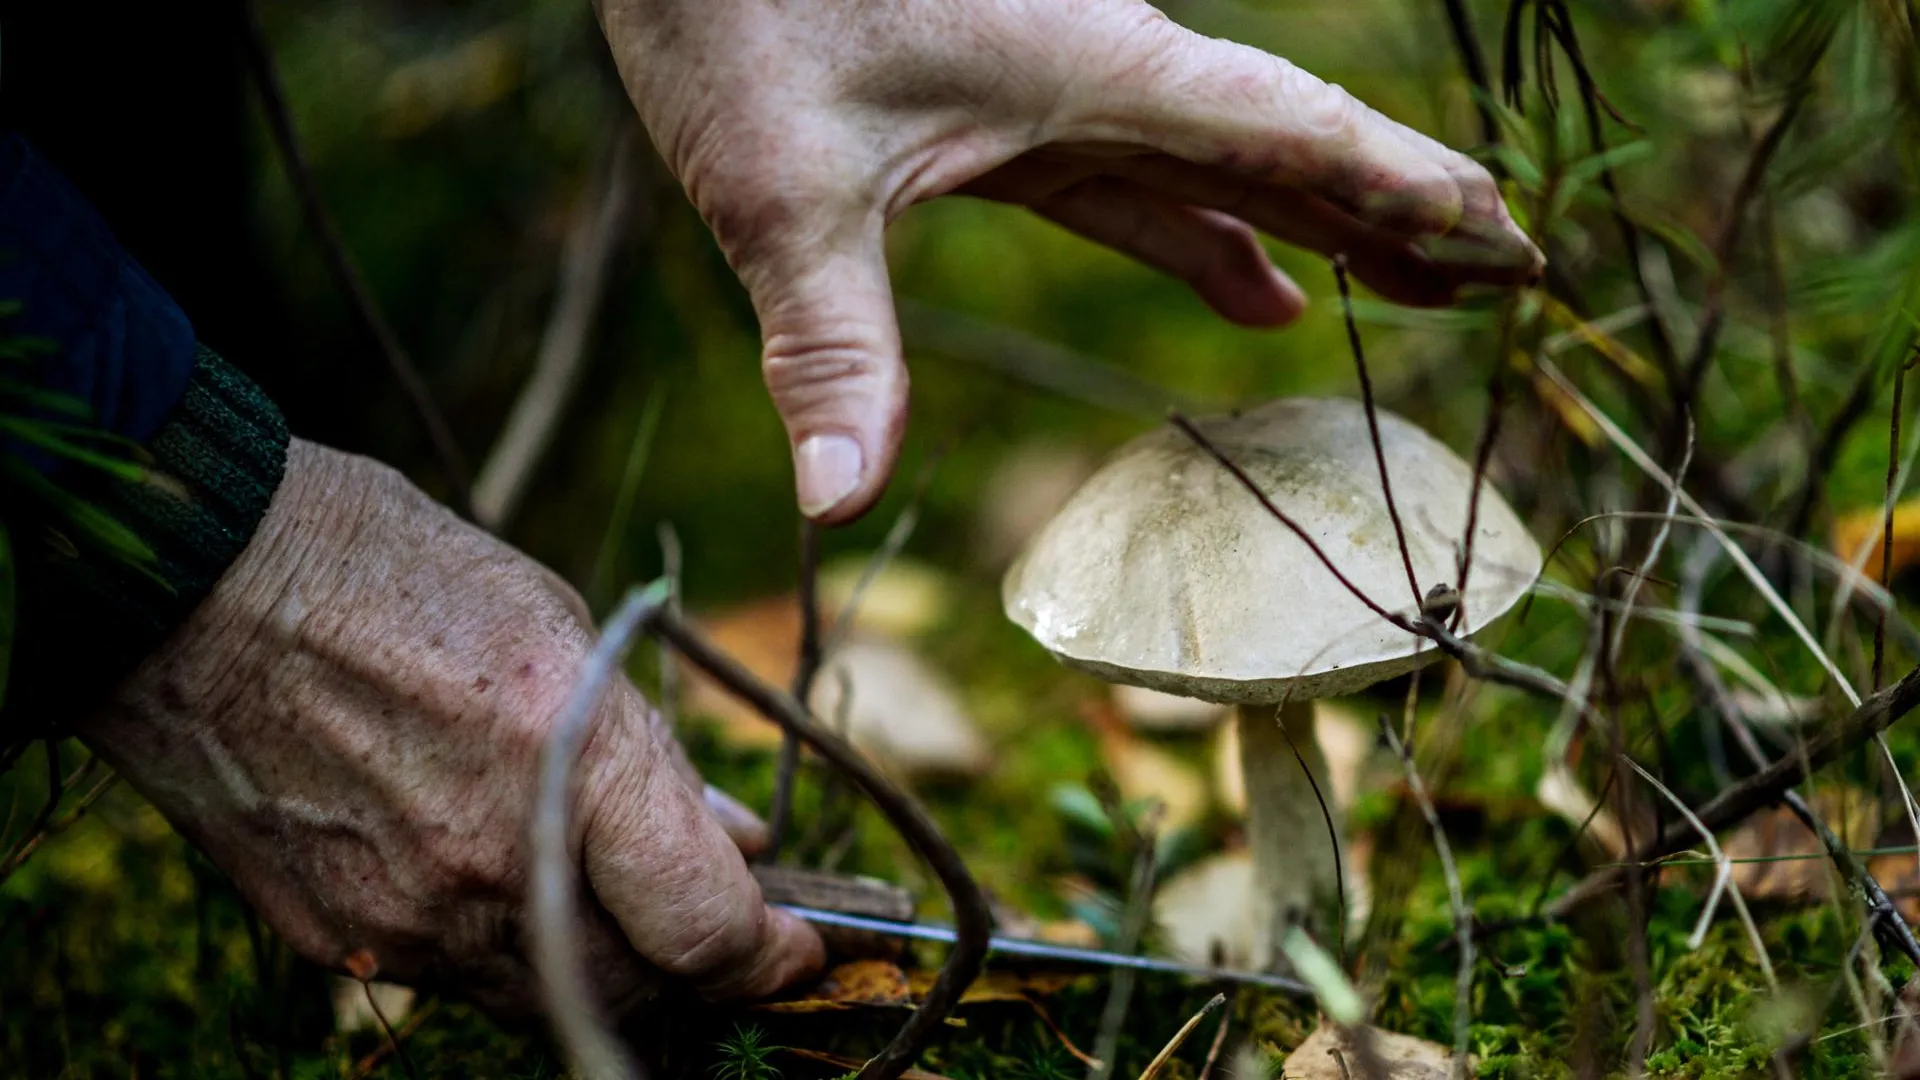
1751 179
1826 448
1886 536
1133 926
1885 919
340 262
386 1026
598 227
1035 362
1761 789
1456 899
1482 457
591 1048
1722 882
1475 62
366 1065
1373 425
670 568
614 540
1333 833
972 919
805 671
1219 1042
1160 1060
49 822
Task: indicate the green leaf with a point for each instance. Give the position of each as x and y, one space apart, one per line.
48 436
1338 999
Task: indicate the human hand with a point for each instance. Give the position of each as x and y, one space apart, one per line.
349 725
801 130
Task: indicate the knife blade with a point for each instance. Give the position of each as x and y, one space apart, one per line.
1046 950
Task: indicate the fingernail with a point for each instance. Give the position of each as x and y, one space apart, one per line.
742 824
826 470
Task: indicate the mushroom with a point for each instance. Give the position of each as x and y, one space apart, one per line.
1162 572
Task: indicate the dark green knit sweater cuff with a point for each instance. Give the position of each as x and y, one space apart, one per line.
86 618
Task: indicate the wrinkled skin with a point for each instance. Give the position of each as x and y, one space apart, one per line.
801 129
349 725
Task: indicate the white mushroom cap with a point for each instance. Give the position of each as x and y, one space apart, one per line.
1163 572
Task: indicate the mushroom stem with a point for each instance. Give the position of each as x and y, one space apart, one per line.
1295 870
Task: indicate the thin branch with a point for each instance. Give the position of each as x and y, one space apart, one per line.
598 227
1166 1052
1134 918
340 262
1762 789
1456 899
591 1048
1751 180
1373 425
805 670
972 918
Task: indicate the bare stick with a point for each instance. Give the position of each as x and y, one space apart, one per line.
1133 926
805 670
972 919
1475 62
670 568
346 272
1761 789
595 235
1166 1052
1219 1042
1456 899
1882 916
591 1048
1373 424
1723 883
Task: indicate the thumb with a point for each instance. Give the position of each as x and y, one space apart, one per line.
831 357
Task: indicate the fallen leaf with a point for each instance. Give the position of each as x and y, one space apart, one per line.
1851 530
856 984
854 1064
997 985
1400 1057
1777 832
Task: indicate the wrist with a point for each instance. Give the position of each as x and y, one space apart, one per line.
88 615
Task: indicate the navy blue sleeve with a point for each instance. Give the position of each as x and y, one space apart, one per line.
120 343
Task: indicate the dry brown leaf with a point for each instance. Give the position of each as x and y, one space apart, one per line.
1561 792
857 984
1776 832
1852 529
854 1064
1401 1057
997 986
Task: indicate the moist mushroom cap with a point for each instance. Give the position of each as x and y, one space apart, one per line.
1163 572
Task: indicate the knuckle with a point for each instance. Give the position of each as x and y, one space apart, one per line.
717 933
820 368
1320 111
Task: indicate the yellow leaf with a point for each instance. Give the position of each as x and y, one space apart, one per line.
1852 530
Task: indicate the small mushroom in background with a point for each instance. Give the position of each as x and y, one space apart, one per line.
353 1011
1026 486
902 712
1162 572
905 599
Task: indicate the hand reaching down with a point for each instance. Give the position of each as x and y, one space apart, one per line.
800 130
349 727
